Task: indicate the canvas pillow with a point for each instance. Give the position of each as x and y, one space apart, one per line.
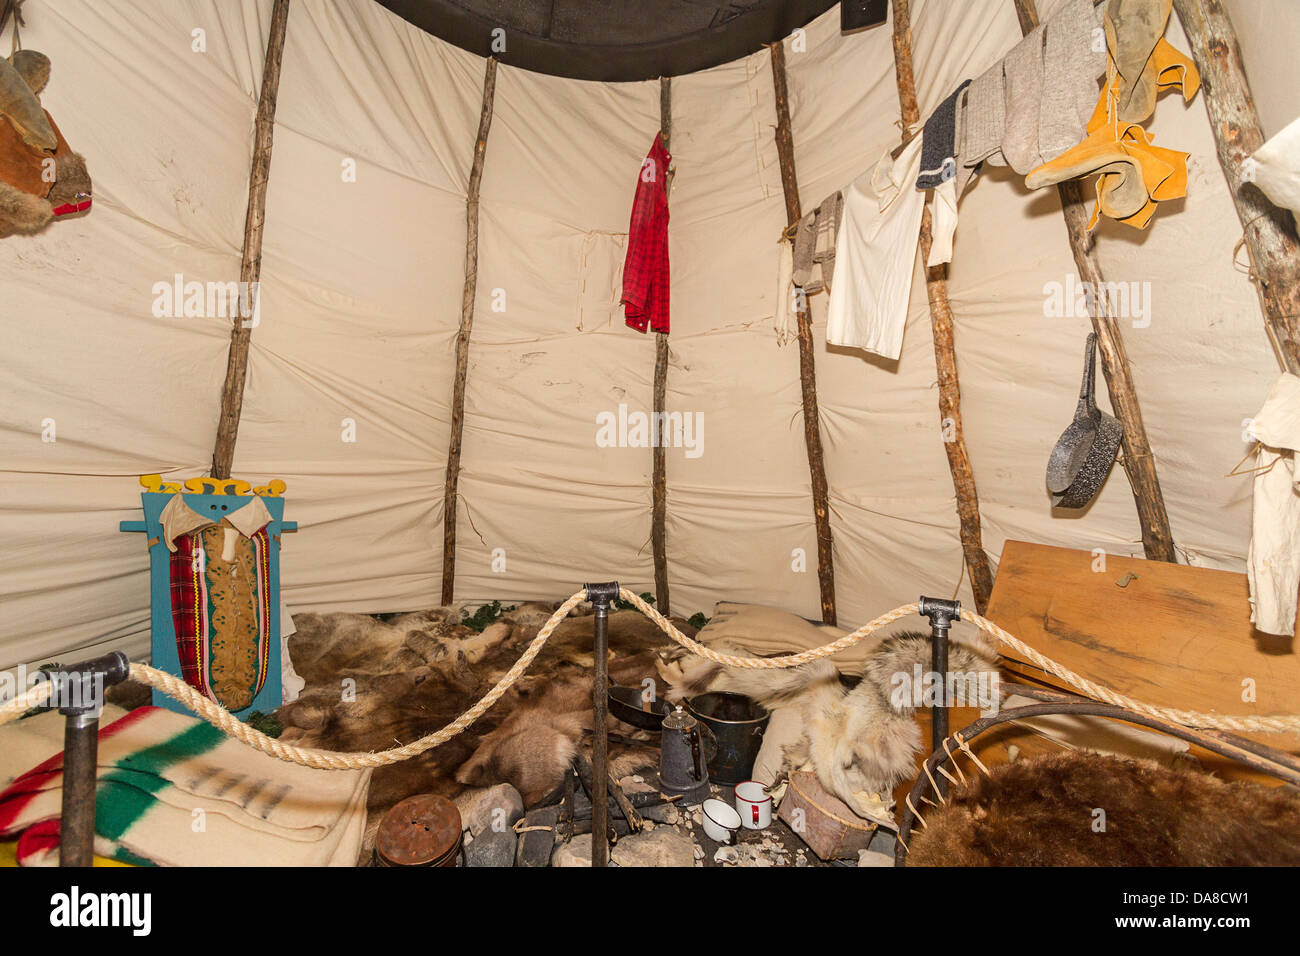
768 631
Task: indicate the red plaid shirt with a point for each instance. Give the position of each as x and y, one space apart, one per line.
645 270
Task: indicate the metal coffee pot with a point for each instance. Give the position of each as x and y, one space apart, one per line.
686 748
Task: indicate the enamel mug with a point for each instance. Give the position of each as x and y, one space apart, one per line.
720 821
754 805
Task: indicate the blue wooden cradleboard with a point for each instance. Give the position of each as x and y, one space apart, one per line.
216 497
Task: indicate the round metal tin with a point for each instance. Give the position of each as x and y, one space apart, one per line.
424 830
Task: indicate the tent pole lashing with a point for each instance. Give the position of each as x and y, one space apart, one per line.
659 481
945 349
807 364
250 268
1269 235
1139 460
449 498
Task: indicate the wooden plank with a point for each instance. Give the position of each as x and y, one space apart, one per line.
1269 231
449 497
945 349
1173 636
807 364
1139 461
250 266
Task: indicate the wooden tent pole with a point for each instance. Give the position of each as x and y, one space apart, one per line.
449 498
1139 462
1270 237
659 483
250 267
807 367
945 353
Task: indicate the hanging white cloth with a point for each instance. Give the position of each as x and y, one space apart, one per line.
874 256
1276 168
291 685
943 223
784 294
1273 562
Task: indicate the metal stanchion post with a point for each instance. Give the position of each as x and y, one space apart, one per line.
79 695
941 614
600 596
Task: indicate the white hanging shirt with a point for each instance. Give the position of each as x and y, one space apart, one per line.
1273 563
874 256
1277 168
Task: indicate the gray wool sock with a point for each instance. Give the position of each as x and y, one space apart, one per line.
938 148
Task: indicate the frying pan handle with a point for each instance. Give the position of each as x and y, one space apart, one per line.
1088 390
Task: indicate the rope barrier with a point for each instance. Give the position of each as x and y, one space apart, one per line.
1280 724
33 697
767 663
230 725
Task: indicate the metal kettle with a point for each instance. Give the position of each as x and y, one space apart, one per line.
686 748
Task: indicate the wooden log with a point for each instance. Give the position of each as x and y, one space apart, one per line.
659 481
537 837
598 796
618 828
643 800
250 266
625 806
1139 462
807 366
1269 231
449 498
945 353
564 825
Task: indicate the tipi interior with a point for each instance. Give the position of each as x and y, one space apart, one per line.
496 411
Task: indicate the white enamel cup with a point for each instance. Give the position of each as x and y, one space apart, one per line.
754 804
720 821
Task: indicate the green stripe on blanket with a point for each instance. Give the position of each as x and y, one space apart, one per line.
118 808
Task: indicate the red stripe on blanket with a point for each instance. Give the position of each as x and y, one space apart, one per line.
25 787
38 840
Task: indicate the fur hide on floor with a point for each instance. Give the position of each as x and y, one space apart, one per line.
420 671
1042 812
858 742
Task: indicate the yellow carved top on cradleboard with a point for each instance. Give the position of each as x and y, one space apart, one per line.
212 486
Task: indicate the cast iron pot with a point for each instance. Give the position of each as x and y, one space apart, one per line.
738 723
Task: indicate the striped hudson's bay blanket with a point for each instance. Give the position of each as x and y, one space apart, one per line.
172 790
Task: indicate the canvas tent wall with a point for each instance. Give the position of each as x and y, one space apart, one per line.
361 288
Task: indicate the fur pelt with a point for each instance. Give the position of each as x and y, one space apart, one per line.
32 191
856 740
71 180
33 67
418 672
1042 812
22 213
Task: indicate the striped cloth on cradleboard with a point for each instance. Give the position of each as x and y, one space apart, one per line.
221 614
